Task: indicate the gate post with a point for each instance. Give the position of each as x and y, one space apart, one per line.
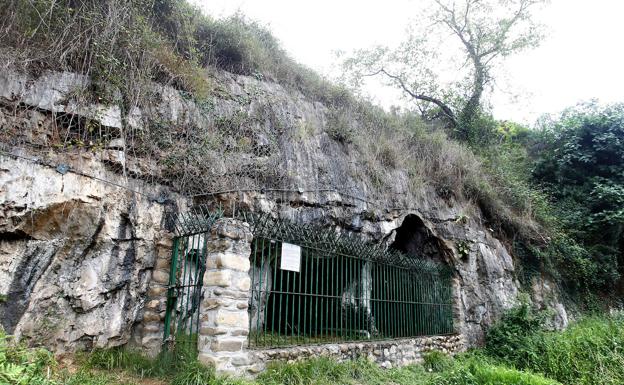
223 311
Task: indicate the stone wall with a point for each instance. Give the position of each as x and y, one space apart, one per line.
387 354
224 318
149 332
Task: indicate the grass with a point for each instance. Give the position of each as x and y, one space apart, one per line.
465 370
590 351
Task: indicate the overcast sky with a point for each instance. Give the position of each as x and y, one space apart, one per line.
582 57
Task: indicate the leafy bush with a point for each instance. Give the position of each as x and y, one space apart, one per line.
510 339
587 352
579 160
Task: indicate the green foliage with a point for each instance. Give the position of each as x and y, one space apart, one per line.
463 248
22 366
194 374
477 370
437 370
509 338
579 160
436 361
587 352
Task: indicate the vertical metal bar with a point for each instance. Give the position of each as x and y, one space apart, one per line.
332 292
321 297
406 309
281 296
182 285
194 287
429 300
267 292
386 298
275 287
306 297
316 291
359 290
349 297
287 309
187 288
302 270
170 288
412 308
392 300
193 295
404 318
340 294
354 293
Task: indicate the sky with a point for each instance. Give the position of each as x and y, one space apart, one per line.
581 58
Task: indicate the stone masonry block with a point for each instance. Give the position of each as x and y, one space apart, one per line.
238 319
160 276
233 262
212 359
223 345
156 291
218 278
243 284
163 263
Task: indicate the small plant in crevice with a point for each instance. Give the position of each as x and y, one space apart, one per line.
463 249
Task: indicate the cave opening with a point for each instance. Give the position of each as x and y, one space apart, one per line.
415 240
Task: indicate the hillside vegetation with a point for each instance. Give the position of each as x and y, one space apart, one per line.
125 45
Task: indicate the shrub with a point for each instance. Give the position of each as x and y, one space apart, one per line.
511 338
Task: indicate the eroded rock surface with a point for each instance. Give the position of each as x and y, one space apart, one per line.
76 254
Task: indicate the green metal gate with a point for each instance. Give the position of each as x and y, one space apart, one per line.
188 264
343 289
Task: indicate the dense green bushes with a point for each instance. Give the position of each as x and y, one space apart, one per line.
579 161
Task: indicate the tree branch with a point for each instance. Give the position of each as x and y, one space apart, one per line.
446 110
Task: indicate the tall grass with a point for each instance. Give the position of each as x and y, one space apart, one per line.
590 351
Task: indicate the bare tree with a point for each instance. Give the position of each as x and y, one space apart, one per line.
473 33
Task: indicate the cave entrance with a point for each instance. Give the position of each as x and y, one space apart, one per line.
341 289
415 240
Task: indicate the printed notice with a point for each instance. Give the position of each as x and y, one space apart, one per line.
291 257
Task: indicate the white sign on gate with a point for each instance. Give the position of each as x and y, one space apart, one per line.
291 257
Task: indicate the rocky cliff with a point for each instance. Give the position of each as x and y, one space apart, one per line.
85 187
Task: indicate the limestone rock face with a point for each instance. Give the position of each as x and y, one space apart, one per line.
77 254
76 257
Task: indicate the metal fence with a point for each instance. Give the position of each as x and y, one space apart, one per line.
188 264
337 288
